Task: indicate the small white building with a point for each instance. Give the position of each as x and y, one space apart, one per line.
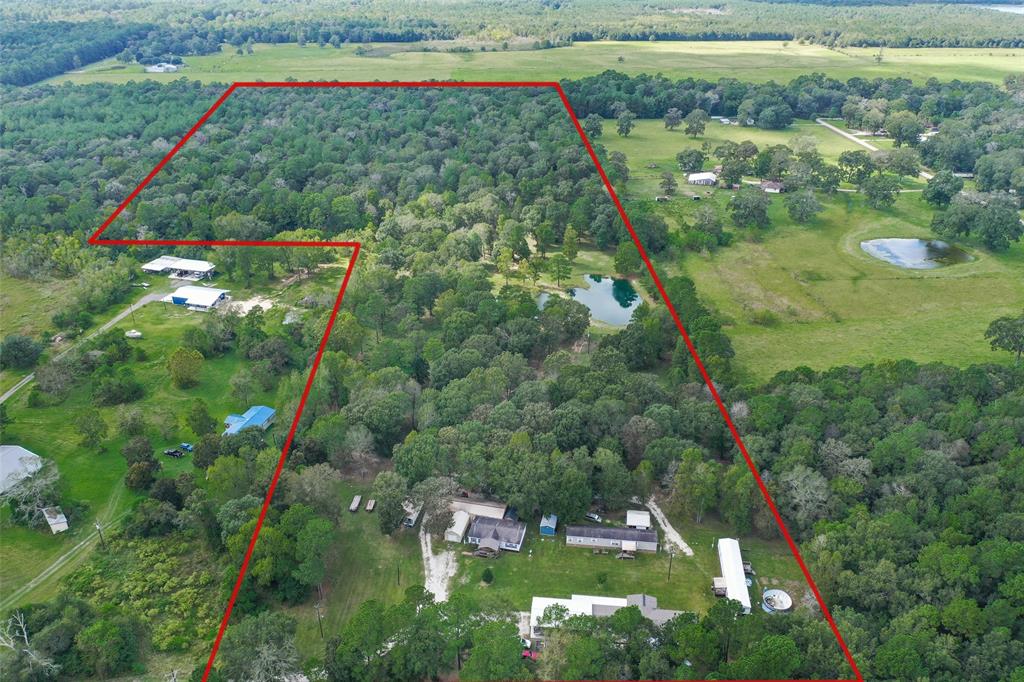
17 464
733 575
55 519
705 178
638 519
162 67
460 524
196 298
181 268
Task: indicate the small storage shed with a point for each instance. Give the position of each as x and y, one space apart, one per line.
55 519
548 524
356 501
640 520
460 523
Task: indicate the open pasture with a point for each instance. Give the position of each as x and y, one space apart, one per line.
807 294
755 60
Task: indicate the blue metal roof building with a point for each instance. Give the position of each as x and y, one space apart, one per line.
257 416
548 523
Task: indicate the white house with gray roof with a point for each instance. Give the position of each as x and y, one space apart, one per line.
587 605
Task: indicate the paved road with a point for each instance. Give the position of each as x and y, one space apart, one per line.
148 298
863 143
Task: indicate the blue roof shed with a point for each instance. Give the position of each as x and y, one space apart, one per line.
257 416
548 524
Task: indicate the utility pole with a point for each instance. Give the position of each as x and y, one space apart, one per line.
671 556
319 618
99 529
398 574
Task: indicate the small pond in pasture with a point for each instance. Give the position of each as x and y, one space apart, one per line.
915 254
610 300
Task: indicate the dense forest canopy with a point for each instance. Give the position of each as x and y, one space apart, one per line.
903 483
38 43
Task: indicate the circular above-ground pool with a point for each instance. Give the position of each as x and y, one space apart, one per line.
915 254
776 601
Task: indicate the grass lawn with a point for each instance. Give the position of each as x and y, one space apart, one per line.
751 60
547 567
821 301
651 142
589 261
363 564
27 307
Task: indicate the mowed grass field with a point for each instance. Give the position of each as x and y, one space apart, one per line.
807 294
749 60
27 307
362 564
547 567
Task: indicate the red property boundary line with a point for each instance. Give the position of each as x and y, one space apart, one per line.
355 246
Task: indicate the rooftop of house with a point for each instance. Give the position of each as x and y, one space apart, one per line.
257 415
502 530
589 605
17 464
606 533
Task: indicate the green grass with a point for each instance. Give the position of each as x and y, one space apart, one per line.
362 564
836 305
589 261
93 475
824 300
749 60
547 567
27 307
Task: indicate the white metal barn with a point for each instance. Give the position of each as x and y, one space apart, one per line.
706 178
180 268
196 298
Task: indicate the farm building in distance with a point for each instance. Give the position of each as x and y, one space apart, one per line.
641 520
196 298
587 605
548 524
508 534
17 464
460 523
625 539
180 268
162 67
733 581
256 417
706 178
55 519
772 187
